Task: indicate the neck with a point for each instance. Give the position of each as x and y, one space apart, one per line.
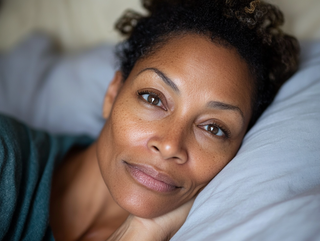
80 202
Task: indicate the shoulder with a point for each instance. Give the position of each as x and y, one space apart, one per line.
19 142
27 161
12 134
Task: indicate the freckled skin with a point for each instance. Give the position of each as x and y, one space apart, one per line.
172 140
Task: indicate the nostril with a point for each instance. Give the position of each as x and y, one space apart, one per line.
156 148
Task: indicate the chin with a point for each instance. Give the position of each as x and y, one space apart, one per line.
146 204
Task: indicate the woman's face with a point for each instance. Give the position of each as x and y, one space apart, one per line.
175 122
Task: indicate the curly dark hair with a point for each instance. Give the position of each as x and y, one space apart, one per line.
251 27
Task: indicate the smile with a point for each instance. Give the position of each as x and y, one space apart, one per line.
150 178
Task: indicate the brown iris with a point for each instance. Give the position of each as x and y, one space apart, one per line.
153 99
213 129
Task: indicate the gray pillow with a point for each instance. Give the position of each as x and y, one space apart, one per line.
60 94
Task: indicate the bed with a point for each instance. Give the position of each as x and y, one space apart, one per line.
55 80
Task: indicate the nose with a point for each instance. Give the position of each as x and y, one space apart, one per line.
170 143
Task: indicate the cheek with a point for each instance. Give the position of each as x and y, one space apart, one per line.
132 125
127 129
205 165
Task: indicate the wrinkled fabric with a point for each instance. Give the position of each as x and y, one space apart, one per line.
27 161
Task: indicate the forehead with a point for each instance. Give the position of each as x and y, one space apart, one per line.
202 69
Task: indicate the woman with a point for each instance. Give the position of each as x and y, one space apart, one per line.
195 75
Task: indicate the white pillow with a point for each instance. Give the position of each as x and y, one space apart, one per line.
271 189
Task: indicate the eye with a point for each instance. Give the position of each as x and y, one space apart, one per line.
215 129
152 98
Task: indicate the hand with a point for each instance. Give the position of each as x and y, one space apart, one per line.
155 229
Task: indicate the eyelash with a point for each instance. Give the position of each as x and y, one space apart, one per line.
148 92
225 131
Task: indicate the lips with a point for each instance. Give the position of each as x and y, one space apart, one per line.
151 178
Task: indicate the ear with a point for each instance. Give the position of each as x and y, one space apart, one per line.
111 94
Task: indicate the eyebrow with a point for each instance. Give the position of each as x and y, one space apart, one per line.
211 104
165 78
224 106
